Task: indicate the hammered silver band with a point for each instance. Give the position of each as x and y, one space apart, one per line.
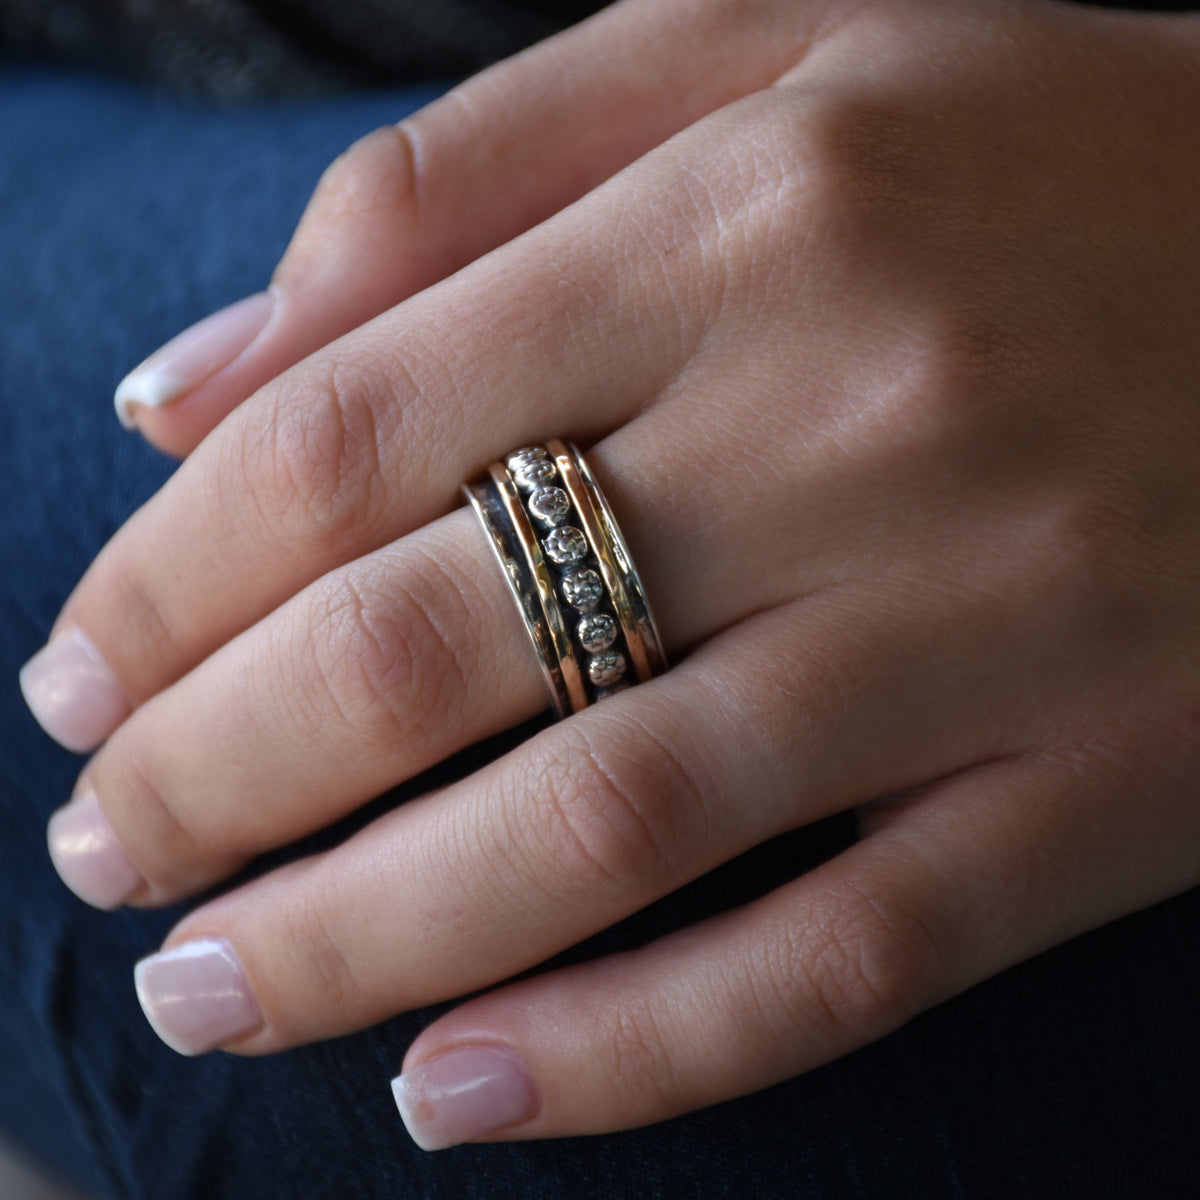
570 572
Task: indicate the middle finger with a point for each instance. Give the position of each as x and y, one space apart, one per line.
375 672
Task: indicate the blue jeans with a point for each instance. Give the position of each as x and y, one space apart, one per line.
125 216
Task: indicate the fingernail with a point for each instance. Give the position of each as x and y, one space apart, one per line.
464 1094
72 693
196 997
187 360
87 855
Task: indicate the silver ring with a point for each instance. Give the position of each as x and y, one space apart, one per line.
570 573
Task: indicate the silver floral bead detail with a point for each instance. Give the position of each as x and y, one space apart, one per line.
533 473
606 669
550 505
596 632
582 589
566 544
521 458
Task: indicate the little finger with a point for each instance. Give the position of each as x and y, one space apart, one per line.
986 870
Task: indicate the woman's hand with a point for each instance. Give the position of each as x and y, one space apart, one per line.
887 352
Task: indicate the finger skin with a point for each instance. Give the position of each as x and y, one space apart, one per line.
348 453
382 668
361 444
359 683
588 822
410 204
358 446
369 440
982 872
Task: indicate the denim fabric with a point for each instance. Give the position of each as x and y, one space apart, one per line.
123 217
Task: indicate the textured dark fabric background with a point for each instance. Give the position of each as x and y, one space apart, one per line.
241 49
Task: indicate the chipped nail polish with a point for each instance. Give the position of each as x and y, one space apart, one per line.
464 1094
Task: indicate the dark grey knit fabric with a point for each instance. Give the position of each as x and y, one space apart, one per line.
238 49
241 49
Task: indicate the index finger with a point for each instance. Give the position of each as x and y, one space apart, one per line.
411 203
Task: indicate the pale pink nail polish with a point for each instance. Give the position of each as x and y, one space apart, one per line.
87 855
187 360
464 1094
72 693
196 996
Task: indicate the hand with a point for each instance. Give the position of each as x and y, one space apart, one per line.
886 351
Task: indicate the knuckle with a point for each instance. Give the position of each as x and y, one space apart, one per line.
314 460
616 807
393 656
147 625
976 363
330 981
869 162
377 176
809 187
758 194
1088 554
955 389
173 853
838 162
864 963
643 1072
371 190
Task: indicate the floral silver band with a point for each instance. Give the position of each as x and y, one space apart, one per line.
570 573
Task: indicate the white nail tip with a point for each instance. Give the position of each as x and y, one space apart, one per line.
406 1103
150 388
194 356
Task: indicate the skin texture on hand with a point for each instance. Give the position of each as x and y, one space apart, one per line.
880 321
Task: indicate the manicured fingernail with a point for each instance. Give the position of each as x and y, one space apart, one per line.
464 1094
187 360
87 855
72 693
196 997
